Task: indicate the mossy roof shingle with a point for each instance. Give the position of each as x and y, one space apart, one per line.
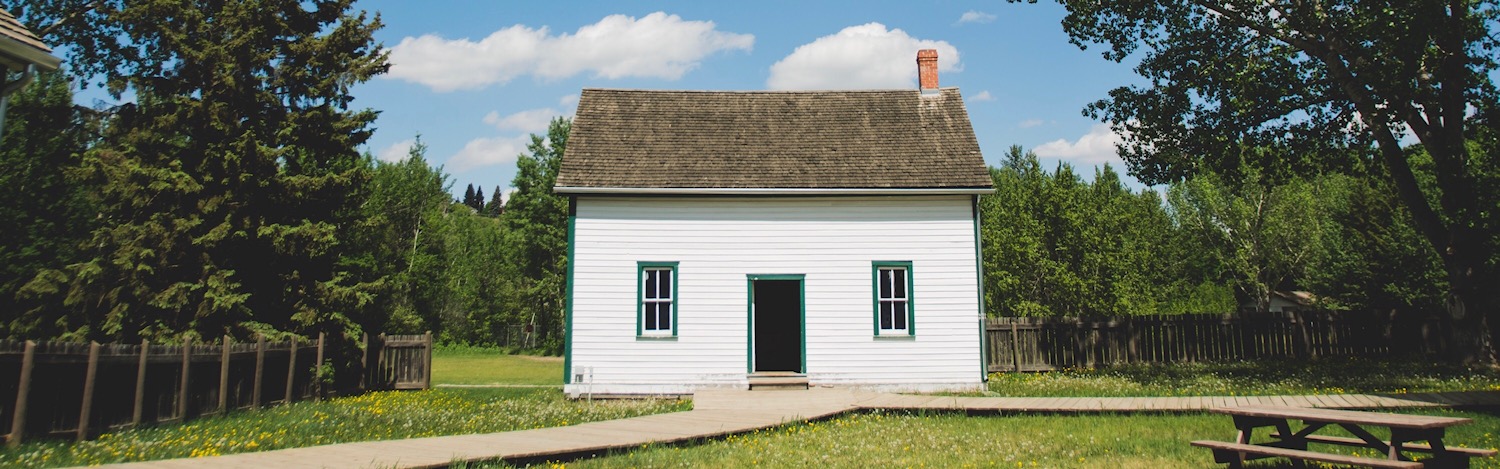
885 139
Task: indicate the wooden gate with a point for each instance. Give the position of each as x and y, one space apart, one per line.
401 361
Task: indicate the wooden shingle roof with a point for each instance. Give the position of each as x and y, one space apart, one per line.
19 47
814 140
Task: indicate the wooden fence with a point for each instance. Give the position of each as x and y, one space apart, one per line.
401 361
80 389
1040 344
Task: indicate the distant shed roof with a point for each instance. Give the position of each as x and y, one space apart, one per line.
19 47
816 140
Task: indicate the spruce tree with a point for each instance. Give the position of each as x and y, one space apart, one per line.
226 184
496 204
46 217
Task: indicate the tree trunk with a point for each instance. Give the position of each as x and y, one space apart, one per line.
1470 303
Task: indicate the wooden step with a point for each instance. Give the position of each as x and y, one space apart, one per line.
1231 452
778 381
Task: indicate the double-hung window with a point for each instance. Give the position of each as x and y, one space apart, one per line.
894 311
657 312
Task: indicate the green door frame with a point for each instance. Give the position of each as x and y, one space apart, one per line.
750 279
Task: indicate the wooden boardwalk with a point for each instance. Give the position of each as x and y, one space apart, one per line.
720 413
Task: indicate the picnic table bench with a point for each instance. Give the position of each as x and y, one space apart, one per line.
1405 430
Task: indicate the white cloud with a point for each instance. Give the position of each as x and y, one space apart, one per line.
568 100
1029 123
397 151
982 96
482 152
531 120
867 56
976 16
1095 147
657 45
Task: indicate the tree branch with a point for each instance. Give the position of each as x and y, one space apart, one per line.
69 17
1427 219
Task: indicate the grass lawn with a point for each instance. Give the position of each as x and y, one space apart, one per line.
884 439
373 416
1265 377
477 365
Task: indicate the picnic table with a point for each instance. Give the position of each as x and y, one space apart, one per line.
1405 431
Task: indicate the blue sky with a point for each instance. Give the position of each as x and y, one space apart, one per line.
475 78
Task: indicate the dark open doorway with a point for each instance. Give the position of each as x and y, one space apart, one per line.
776 312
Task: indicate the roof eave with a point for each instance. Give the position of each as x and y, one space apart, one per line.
576 190
22 53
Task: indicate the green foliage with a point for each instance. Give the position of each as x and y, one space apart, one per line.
1057 246
1262 236
401 239
46 216
1373 259
536 237
1286 89
224 186
442 265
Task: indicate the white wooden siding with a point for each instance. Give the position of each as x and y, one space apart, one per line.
717 241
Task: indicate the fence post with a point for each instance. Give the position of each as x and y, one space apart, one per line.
140 384
182 388
18 419
291 370
88 391
427 368
364 362
224 377
1015 346
381 364
260 366
1304 341
318 367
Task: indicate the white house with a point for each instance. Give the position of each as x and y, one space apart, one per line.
723 239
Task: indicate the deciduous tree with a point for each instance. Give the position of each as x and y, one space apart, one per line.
536 235
1305 86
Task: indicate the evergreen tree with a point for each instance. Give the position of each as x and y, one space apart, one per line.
496 205
46 217
225 185
478 203
468 195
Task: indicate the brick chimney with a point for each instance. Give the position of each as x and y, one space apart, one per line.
927 70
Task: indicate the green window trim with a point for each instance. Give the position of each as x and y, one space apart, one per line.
909 300
673 299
